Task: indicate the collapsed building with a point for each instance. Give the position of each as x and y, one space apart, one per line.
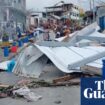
82 51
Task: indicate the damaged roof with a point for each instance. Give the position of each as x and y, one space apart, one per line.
66 58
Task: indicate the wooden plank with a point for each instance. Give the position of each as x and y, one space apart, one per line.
91 70
73 76
64 78
68 83
4 86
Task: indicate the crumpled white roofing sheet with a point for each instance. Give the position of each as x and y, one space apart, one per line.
97 34
30 63
60 56
64 56
90 30
34 58
98 63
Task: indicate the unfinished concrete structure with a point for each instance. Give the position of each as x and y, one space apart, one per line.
13 10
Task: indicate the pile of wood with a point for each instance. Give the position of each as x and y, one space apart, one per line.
72 79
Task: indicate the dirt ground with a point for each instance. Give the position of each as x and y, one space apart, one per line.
50 95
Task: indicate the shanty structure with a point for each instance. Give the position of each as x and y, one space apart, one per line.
68 56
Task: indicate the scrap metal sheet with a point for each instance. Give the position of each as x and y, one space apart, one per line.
64 56
30 63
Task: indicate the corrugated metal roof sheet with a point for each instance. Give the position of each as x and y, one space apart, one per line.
60 56
64 56
97 34
34 58
30 63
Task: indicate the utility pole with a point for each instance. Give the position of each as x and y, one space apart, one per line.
94 11
92 8
90 3
80 6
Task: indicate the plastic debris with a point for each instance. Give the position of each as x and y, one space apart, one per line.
11 65
32 97
27 94
22 91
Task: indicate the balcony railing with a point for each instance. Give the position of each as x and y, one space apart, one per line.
54 9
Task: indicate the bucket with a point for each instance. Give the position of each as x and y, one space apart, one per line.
6 51
26 40
14 49
20 43
5 43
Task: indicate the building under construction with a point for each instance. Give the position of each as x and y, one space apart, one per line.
64 10
13 11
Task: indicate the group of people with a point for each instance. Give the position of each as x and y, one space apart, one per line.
39 33
60 28
63 31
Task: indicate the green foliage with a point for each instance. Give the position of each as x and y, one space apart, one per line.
82 15
5 37
5 34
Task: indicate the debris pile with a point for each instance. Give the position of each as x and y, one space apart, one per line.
69 57
22 88
23 92
27 94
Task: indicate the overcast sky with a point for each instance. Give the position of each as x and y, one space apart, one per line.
40 4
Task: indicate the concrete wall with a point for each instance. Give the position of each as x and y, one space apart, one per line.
18 16
17 9
1 15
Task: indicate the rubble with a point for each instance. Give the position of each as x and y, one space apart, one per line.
3 95
51 40
6 90
62 79
33 58
22 88
16 91
68 50
27 94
